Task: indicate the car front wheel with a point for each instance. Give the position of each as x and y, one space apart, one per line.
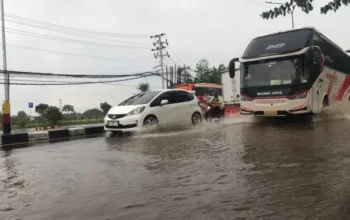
150 121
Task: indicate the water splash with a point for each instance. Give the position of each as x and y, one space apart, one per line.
336 111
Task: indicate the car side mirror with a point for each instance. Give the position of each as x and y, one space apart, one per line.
232 67
164 102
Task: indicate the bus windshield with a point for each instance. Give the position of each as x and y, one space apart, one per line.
278 43
207 91
274 72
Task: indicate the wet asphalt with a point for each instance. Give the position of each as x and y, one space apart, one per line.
239 169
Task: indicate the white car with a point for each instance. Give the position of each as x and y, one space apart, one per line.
153 108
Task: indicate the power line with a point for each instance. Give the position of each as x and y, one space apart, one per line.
291 11
71 83
176 56
172 61
51 81
69 32
75 54
142 74
257 3
32 34
92 32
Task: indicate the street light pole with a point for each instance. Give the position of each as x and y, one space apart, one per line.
292 12
6 107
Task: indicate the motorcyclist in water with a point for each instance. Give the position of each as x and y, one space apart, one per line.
218 105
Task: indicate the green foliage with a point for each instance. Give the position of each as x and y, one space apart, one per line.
143 87
68 109
52 115
41 108
21 119
304 5
22 114
93 113
105 107
187 77
205 74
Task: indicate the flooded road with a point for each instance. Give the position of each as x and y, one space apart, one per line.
236 170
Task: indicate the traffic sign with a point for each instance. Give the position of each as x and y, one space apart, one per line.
30 104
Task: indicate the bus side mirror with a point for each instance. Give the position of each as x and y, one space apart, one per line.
318 60
314 59
232 67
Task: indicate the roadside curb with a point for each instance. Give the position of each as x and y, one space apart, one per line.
7 141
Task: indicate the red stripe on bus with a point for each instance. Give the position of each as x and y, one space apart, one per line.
343 88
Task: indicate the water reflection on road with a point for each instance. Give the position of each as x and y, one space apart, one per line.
241 169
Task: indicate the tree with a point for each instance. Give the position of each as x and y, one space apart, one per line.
52 114
41 108
206 74
187 77
22 114
105 107
93 113
21 119
305 5
68 109
143 87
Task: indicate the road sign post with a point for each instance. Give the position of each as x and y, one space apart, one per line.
30 105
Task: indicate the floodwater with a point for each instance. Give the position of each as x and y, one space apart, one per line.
239 169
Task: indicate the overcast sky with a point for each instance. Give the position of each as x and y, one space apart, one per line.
195 29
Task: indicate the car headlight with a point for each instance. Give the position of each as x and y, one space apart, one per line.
301 95
136 111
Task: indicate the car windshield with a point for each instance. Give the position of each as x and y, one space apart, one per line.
141 98
273 72
278 43
207 91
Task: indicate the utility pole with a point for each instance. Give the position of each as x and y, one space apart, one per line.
292 11
6 107
171 76
60 100
159 44
167 77
175 74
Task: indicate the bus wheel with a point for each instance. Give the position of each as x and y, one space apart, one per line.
325 101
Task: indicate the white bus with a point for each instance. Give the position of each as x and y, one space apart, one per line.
298 71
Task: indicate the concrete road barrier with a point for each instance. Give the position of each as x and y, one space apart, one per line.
28 137
14 138
55 134
38 136
76 131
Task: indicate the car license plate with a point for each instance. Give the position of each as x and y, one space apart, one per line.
113 123
270 112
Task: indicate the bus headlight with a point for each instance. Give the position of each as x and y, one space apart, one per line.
301 95
245 98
